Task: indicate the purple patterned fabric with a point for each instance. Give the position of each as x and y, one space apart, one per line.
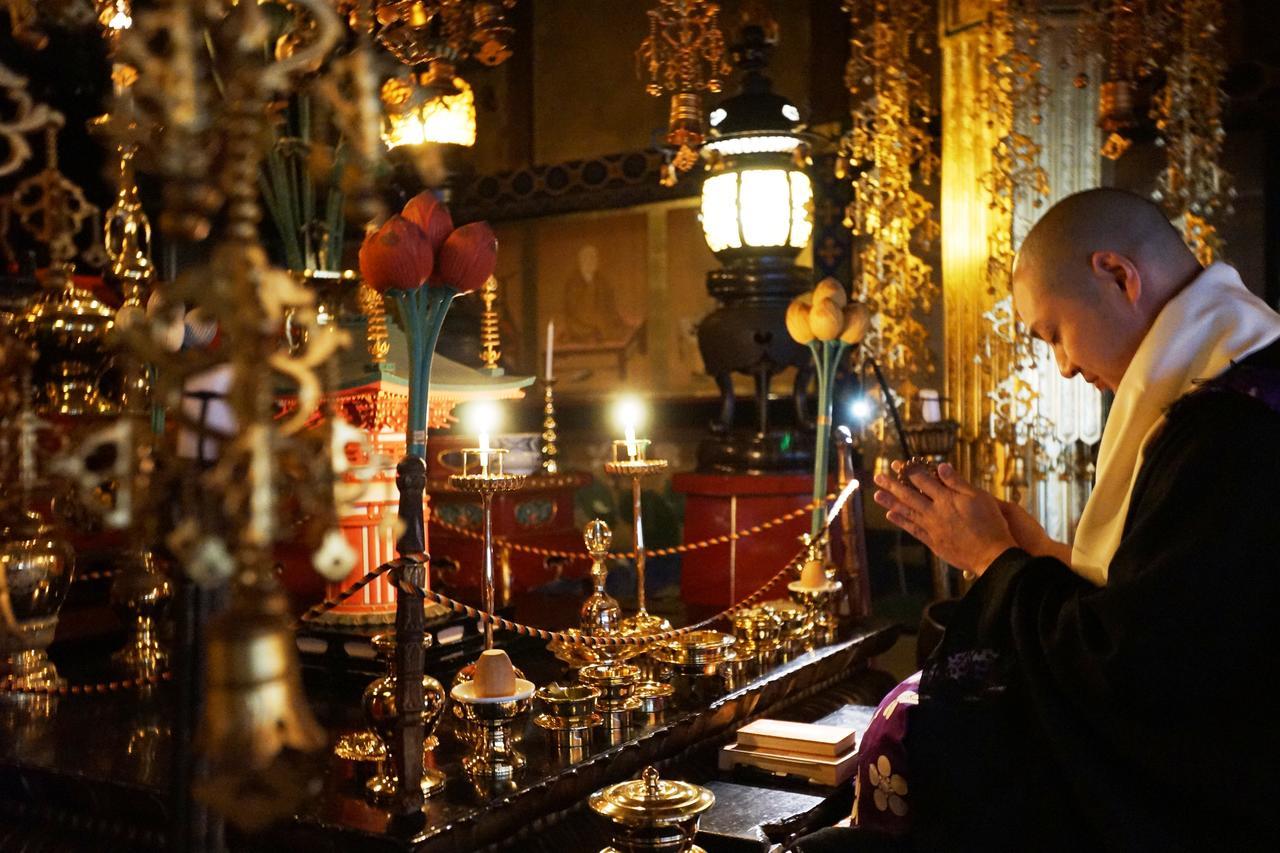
881 794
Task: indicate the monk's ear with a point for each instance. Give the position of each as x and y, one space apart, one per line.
1120 271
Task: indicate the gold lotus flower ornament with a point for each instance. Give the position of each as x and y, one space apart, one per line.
826 314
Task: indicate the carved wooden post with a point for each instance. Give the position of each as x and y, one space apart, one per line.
406 747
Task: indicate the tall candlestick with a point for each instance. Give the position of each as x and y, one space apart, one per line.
551 341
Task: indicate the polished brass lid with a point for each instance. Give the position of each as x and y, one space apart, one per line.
649 800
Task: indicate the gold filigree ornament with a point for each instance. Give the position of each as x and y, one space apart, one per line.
1193 187
683 56
887 145
20 115
209 146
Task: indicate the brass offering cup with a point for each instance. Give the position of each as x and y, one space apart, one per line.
795 627
819 602
618 701
569 716
758 632
494 757
654 698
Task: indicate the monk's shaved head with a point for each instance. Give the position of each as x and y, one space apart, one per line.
1093 274
1102 220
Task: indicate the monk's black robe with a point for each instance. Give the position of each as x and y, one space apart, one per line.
1057 715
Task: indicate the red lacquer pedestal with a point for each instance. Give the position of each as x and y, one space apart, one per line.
715 505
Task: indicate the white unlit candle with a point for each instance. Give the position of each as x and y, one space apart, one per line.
484 454
930 405
551 342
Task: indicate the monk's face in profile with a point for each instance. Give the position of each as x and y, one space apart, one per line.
1092 316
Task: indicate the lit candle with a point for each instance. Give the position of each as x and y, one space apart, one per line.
484 453
551 340
631 441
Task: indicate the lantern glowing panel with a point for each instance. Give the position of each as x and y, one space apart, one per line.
447 119
756 208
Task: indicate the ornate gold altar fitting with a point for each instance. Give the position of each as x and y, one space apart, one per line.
490 336
69 327
255 705
888 145
140 593
600 615
630 459
617 702
653 814
36 565
445 32
795 627
36 560
569 715
379 703
683 56
493 757
482 474
550 451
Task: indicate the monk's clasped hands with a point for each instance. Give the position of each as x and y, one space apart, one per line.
964 526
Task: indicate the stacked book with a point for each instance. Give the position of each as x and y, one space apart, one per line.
823 755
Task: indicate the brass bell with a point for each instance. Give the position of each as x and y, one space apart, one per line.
256 718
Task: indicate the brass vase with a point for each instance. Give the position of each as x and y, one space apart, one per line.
379 702
36 564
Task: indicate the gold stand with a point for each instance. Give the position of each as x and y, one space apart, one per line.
482 475
629 460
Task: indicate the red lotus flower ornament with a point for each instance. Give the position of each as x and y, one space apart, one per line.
468 257
432 218
397 256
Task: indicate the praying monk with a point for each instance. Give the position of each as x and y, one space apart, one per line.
1109 695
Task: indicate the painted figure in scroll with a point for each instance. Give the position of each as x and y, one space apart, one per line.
1105 695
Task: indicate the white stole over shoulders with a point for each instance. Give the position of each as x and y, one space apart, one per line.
1214 321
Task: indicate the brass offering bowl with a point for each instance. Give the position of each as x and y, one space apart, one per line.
493 756
652 814
569 714
697 653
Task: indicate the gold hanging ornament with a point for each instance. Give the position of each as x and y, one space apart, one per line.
889 139
1193 187
683 56
1012 99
